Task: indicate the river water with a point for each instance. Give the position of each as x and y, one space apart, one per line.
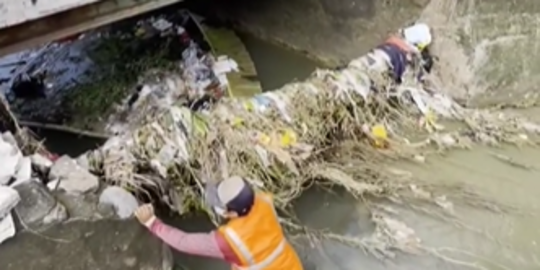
486 239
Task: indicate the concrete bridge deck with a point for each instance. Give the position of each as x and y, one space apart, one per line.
25 23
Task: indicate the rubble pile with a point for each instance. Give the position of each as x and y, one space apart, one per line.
40 191
338 127
200 77
161 63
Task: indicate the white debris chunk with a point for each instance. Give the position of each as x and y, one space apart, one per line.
40 162
9 158
123 202
9 138
9 198
72 177
7 228
24 171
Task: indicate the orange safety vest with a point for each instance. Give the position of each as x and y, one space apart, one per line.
400 43
258 240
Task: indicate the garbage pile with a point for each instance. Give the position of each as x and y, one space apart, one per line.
50 70
200 77
326 128
42 190
202 80
338 127
169 66
15 169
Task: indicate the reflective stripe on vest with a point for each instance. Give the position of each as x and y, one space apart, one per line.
247 254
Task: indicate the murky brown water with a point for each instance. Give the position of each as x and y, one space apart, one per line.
498 241
490 240
485 239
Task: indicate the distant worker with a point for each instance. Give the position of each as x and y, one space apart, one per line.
419 35
252 237
407 47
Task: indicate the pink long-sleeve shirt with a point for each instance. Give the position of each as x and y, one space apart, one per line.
211 244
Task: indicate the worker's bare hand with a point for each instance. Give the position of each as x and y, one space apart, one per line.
145 213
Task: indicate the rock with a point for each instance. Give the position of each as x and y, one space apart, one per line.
41 163
24 171
84 245
85 207
38 209
71 177
419 158
123 202
447 140
9 158
82 160
7 228
9 138
9 198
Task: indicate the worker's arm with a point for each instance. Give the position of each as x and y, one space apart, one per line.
211 244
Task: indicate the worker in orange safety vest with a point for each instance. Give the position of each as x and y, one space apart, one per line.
253 229
251 239
411 43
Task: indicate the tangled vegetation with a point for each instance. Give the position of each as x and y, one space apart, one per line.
323 131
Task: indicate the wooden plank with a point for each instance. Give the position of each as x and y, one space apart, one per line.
13 12
224 41
77 20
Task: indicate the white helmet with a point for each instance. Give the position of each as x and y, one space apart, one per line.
418 35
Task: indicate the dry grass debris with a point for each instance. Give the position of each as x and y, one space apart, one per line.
320 131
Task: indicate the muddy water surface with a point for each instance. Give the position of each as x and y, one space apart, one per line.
483 238
505 239
490 240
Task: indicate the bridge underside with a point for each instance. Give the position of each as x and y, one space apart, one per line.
17 35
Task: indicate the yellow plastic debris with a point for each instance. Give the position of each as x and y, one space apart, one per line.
237 122
431 118
248 105
264 139
288 138
380 135
200 125
429 121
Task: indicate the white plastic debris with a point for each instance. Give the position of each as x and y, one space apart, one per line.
123 202
280 104
161 24
9 198
24 171
71 177
224 64
9 138
9 158
41 162
7 228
